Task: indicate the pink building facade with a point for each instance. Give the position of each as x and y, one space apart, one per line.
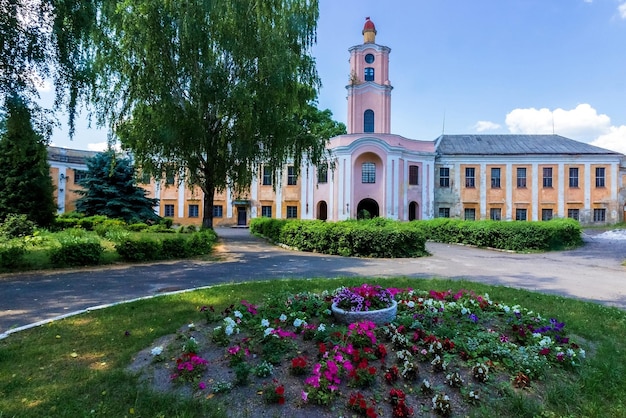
372 171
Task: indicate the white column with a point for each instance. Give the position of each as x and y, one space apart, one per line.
509 192
405 190
181 199
535 192
587 204
331 196
62 182
561 194
157 195
229 203
254 195
279 195
483 191
428 196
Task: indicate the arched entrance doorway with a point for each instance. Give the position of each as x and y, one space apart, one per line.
366 209
322 210
413 211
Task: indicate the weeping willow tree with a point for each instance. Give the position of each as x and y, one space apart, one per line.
209 89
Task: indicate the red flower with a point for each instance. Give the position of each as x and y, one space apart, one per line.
280 390
544 351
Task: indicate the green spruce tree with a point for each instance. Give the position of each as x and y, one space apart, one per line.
25 183
110 188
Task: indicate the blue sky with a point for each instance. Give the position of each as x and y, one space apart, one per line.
488 66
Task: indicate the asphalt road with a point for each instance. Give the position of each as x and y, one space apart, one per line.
592 272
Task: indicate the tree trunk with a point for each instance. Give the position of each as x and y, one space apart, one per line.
207 217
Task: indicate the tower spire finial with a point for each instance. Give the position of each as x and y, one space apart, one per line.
369 32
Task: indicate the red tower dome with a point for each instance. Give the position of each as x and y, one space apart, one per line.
369 32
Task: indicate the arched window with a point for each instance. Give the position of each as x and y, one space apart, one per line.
369 74
368 173
368 121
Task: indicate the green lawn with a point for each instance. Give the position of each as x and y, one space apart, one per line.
76 366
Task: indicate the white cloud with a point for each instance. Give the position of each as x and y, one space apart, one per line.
615 139
622 10
582 123
97 146
485 125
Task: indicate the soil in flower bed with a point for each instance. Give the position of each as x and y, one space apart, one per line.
486 327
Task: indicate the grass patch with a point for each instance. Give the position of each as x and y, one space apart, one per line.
76 366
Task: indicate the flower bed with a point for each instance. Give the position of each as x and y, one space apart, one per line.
444 352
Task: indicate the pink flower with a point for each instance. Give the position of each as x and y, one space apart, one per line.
305 396
313 381
201 385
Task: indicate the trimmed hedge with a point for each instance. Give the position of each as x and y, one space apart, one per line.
76 253
12 254
381 237
372 238
177 246
515 235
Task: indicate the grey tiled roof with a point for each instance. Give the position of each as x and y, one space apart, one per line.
514 144
67 155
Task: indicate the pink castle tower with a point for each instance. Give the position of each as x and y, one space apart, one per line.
369 89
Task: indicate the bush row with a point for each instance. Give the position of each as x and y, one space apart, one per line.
149 249
516 236
78 247
385 238
372 238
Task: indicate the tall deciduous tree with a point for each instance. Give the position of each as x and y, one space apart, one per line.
25 182
210 89
109 188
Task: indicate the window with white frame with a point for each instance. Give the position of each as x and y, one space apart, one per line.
292 212
292 178
368 173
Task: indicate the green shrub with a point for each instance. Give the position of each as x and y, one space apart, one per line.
515 236
102 228
79 252
167 222
142 249
175 247
62 223
200 243
161 228
364 238
12 254
15 225
137 227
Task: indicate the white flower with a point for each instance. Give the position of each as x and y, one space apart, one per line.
537 335
191 326
545 341
298 322
238 314
282 318
268 331
582 353
156 351
321 327
265 322
410 304
229 330
230 321
570 352
464 310
506 309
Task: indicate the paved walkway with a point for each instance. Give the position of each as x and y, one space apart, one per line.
593 273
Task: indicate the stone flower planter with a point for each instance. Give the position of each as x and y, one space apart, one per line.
378 316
